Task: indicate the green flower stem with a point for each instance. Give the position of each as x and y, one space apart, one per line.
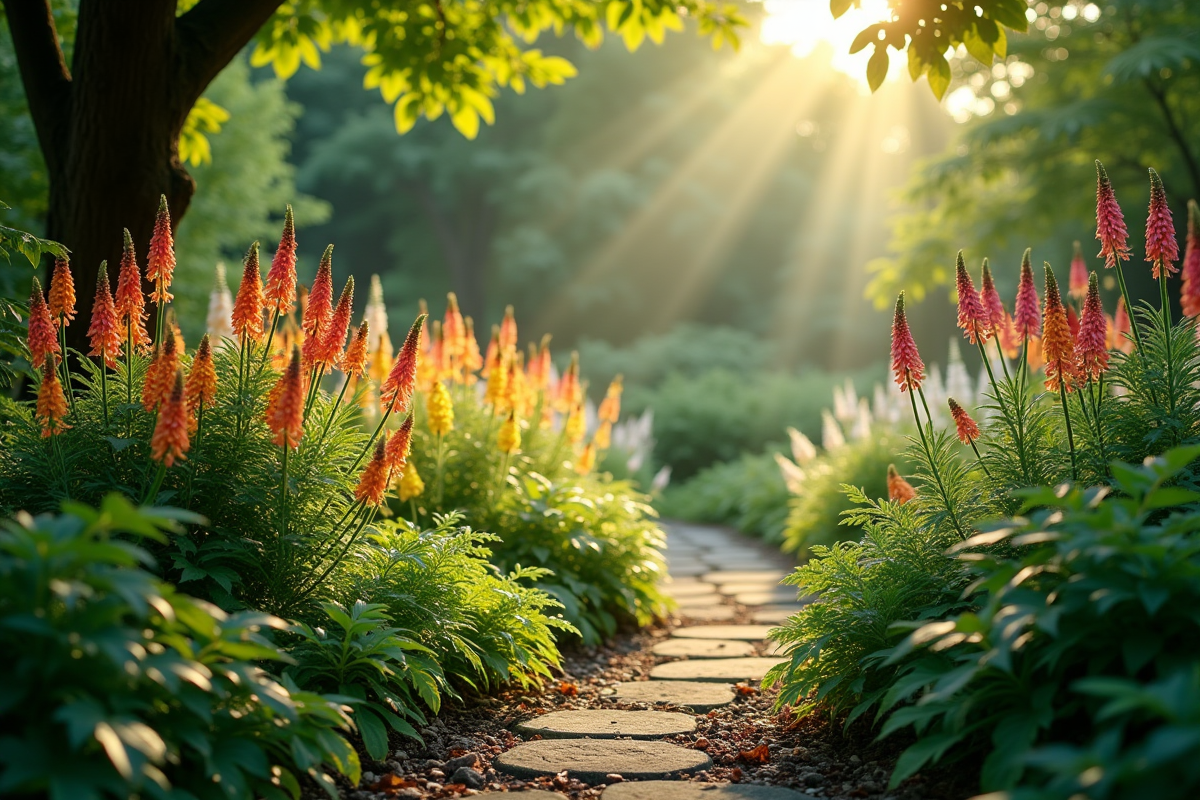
270 338
152 493
979 458
1137 336
387 413
66 369
62 463
366 520
937 476
1166 315
440 484
158 326
104 391
333 411
1014 425
1062 396
241 384
283 504
314 388
1097 398
187 498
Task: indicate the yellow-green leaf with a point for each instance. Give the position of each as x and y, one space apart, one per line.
877 67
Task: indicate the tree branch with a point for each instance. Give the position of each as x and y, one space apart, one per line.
1176 133
44 74
210 35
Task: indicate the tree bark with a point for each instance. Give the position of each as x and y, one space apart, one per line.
109 127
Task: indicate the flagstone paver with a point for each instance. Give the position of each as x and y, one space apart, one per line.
593 760
776 614
702 600
748 587
745 633
723 670
783 594
702 648
682 790
604 724
700 697
688 590
742 575
707 613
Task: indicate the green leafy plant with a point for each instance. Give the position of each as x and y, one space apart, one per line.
748 493
142 689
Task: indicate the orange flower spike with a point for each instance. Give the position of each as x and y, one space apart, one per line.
51 402
318 310
493 351
1091 346
454 329
170 439
1058 347
1079 274
508 330
354 360
201 384
907 365
285 409
967 429
160 374
130 302
472 358
397 390
587 459
1190 298
334 340
610 406
973 318
247 314
399 445
544 363
569 391
62 293
374 480
42 337
603 437
280 288
899 490
160 260
104 332
1006 334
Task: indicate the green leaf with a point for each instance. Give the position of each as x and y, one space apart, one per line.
373 732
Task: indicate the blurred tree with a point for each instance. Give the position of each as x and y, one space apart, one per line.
1119 84
109 126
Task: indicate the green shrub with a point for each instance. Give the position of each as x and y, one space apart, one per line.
748 494
136 688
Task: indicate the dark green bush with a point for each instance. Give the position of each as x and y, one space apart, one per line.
748 494
115 685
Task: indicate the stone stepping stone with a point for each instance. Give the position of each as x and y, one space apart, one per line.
701 600
744 633
703 648
688 570
592 761
718 562
699 697
748 587
531 794
741 576
776 615
686 790
706 613
722 670
783 594
600 724
681 590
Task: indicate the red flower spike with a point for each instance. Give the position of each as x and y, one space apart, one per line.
398 446
1161 248
899 490
967 429
51 402
104 332
397 390
1079 274
160 374
1027 313
1058 348
354 360
247 317
318 310
285 408
160 260
1122 326
130 302
508 330
907 365
334 340
374 480
1006 336
42 337
454 328
1110 222
201 384
62 293
281 278
973 318
990 298
1072 322
1190 298
1091 345
170 439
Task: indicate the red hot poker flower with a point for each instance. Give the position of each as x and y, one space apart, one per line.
1191 263
285 410
1121 327
1161 248
62 293
990 298
1057 347
899 490
160 374
318 309
247 314
354 360
1072 322
334 340
1027 313
51 402
1091 346
202 379
508 330
1079 274
973 318
160 260
374 480
1110 222
907 365
281 278
397 390
454 329
967 429
130 302
104 333
42 338
170 439
396 452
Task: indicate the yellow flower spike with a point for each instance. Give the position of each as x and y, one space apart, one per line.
509 438
411 484
576 426
587 459
497 384
603 437
441 410
610 407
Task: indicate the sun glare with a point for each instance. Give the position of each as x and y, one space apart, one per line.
807 24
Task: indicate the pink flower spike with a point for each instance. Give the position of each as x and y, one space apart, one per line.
1161 248
973 318
906 361
1191 263
1091 345
991 300
1079 274
1110 222
1027 312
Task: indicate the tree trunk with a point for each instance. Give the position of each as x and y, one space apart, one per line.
121 146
